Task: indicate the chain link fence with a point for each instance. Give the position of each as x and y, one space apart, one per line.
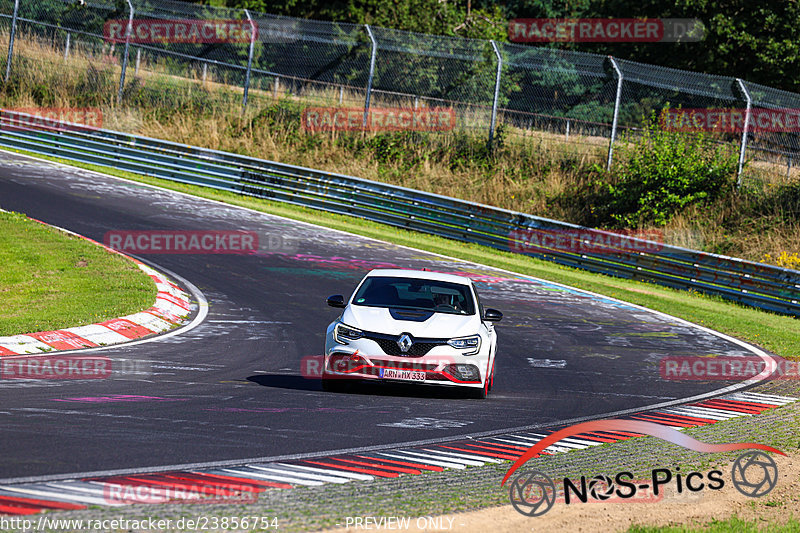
564 97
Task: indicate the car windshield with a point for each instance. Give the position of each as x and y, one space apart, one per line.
410 293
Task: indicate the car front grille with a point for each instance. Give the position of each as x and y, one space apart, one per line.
388 344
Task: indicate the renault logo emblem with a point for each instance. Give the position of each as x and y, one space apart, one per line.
405 342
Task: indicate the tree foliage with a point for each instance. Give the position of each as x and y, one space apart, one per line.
664 172
448 17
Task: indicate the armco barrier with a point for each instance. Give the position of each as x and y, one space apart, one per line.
759 285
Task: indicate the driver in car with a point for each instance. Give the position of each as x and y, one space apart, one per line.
443 299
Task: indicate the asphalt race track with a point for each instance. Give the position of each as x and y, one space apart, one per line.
232 387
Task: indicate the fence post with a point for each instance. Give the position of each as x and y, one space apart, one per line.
616 112
11 39
745 129
496 92
566 135
66 47
249 59
128 31
371 74
788 166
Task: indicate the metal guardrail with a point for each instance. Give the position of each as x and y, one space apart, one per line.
755 284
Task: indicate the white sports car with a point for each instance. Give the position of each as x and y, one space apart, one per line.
413 326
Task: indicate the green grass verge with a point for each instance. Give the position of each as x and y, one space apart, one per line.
778 333
51 280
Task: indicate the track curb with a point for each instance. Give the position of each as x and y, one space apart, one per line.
171 309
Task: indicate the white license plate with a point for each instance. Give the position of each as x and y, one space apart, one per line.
407 375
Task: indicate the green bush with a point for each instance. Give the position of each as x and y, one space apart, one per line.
662 172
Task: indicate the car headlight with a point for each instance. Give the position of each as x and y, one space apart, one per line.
343 333
471 344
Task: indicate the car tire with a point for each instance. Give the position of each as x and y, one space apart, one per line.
332 384
478 394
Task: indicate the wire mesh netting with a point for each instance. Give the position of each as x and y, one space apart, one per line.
227 59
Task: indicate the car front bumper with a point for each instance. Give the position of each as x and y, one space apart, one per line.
442 365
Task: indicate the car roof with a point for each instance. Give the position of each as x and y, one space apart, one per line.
419 274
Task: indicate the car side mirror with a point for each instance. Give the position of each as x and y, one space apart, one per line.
492 315
337 300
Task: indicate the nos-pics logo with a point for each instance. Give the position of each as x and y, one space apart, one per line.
533 493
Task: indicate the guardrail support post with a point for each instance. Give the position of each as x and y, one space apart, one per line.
249 59
616 112
11 39
745 129
371 74
496 92
128 31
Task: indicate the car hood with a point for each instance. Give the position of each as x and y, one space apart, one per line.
439 325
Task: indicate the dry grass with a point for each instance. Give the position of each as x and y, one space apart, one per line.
531 172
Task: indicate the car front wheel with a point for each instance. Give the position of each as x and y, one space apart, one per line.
332 383
478 394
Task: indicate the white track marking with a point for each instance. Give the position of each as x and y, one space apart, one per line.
465 455
99 334
552 448
348 474
425 459
304 475
465 458
61 496
528 441
694 412
761 398
573 440
273 477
